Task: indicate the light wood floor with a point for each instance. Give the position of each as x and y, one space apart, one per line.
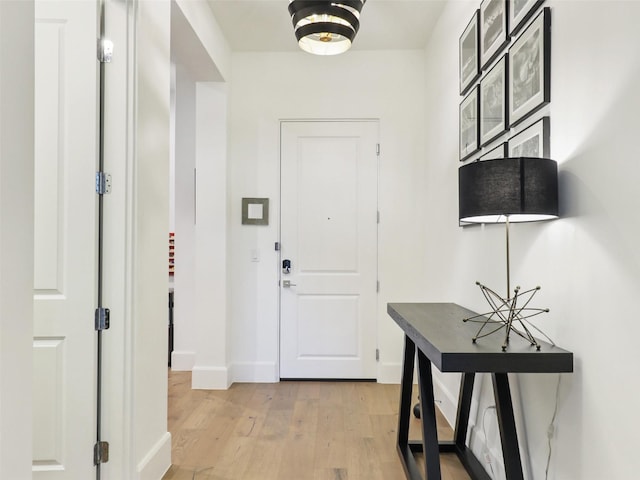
290 431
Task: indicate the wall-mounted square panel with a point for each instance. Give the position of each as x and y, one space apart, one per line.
255 211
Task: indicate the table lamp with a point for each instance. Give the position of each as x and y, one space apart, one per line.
508 190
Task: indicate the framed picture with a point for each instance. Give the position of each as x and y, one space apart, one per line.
519 12
493 102
469 124
470 54
493 29
530 69
255 211
498 152
533 141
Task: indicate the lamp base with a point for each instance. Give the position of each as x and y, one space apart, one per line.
507 312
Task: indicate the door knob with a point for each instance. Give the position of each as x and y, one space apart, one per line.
287 284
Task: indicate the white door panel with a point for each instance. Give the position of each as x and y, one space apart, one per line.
328 326
64 239
329 232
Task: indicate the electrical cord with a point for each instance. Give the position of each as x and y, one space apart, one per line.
550 431
552 428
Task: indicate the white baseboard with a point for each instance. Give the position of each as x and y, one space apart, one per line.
390 373
255 372
157 461
210 378
182 361
447 401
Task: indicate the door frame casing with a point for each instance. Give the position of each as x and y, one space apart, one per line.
136 241
129 457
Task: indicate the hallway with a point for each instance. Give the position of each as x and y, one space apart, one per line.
290 431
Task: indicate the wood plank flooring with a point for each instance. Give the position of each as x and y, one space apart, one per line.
290 431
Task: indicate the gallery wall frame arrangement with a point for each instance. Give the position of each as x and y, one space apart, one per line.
500 151
493 29
505 79
469 46
494 111
519 12
469 124
530 69
533 141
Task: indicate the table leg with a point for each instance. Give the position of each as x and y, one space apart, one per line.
507 427
464 407
404 448
405 392
428 414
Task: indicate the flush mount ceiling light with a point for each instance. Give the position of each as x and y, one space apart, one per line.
325 27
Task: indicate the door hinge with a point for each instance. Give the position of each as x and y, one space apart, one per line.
103 183
102 319
377 286
277 246
377 354
378 149
105 50
378 216
100 453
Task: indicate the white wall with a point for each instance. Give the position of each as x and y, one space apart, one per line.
200 319
151 212
202 59
211 362
587 262
201 21
268 87
172 153
185 331
16 237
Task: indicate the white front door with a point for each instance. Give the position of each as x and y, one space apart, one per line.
64 418
329 174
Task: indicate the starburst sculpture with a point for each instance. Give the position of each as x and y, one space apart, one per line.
512 314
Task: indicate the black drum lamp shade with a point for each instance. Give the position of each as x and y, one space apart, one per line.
519 189
325 27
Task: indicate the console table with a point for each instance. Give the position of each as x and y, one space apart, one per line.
441 338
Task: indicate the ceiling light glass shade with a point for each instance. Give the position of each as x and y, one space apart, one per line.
519 189
325 27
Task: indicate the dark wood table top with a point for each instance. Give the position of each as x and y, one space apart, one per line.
438 331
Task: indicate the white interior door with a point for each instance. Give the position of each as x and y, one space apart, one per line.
65 239
329 174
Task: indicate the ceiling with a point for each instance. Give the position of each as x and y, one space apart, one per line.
265 25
